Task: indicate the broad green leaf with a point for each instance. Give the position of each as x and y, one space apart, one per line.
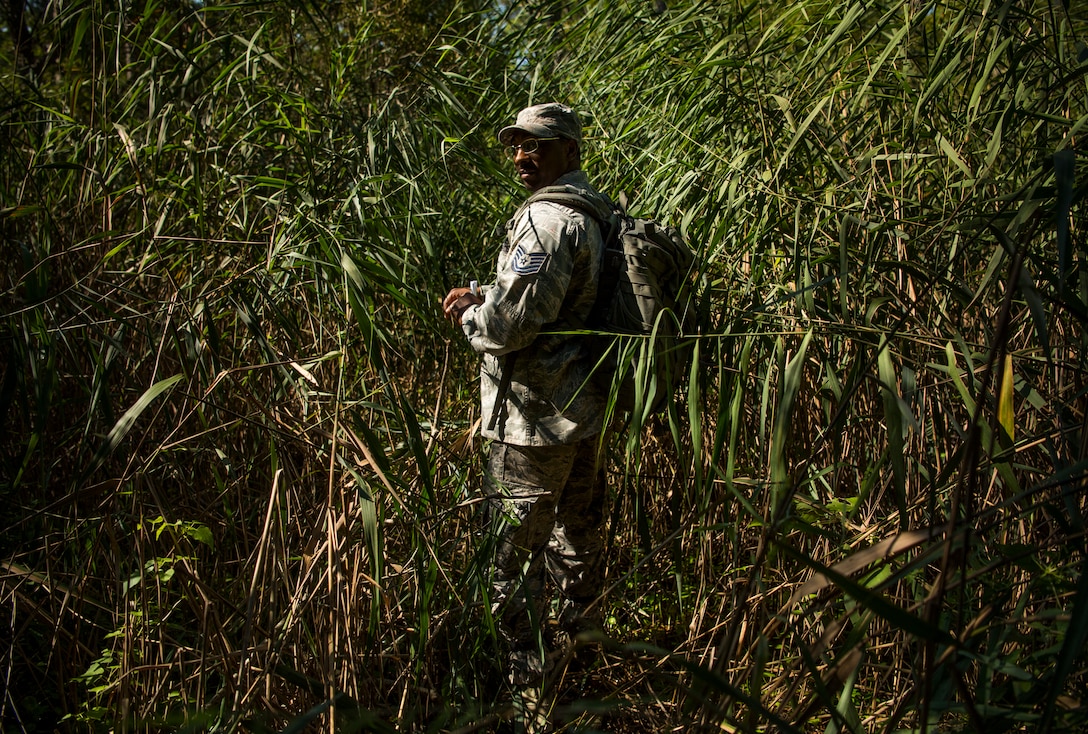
894 421
1006 409
125 423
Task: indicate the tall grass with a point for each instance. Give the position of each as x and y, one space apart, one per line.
238 440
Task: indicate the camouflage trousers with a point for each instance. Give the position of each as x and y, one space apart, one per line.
546 507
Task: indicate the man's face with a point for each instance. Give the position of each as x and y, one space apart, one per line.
545 164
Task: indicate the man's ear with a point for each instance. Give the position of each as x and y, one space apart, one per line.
573 153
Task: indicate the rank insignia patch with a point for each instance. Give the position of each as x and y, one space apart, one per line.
527 263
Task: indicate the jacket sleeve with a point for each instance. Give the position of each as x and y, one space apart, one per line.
533 274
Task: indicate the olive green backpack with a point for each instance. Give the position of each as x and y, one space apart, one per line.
643 313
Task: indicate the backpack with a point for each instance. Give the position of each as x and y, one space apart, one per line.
643 308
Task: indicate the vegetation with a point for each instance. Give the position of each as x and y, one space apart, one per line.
238 448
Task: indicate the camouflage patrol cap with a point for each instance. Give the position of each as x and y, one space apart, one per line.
550 120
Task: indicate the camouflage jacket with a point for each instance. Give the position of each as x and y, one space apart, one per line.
545 285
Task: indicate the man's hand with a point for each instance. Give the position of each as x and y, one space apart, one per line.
456 301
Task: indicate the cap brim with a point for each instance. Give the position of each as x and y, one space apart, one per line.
538 131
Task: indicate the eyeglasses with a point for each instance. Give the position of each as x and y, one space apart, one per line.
527 146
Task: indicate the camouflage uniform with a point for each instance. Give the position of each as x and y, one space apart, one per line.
545 285
547 507
545 486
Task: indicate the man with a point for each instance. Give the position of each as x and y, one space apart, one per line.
545 487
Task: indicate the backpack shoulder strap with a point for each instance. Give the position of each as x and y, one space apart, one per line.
568 198
504 388
573 198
